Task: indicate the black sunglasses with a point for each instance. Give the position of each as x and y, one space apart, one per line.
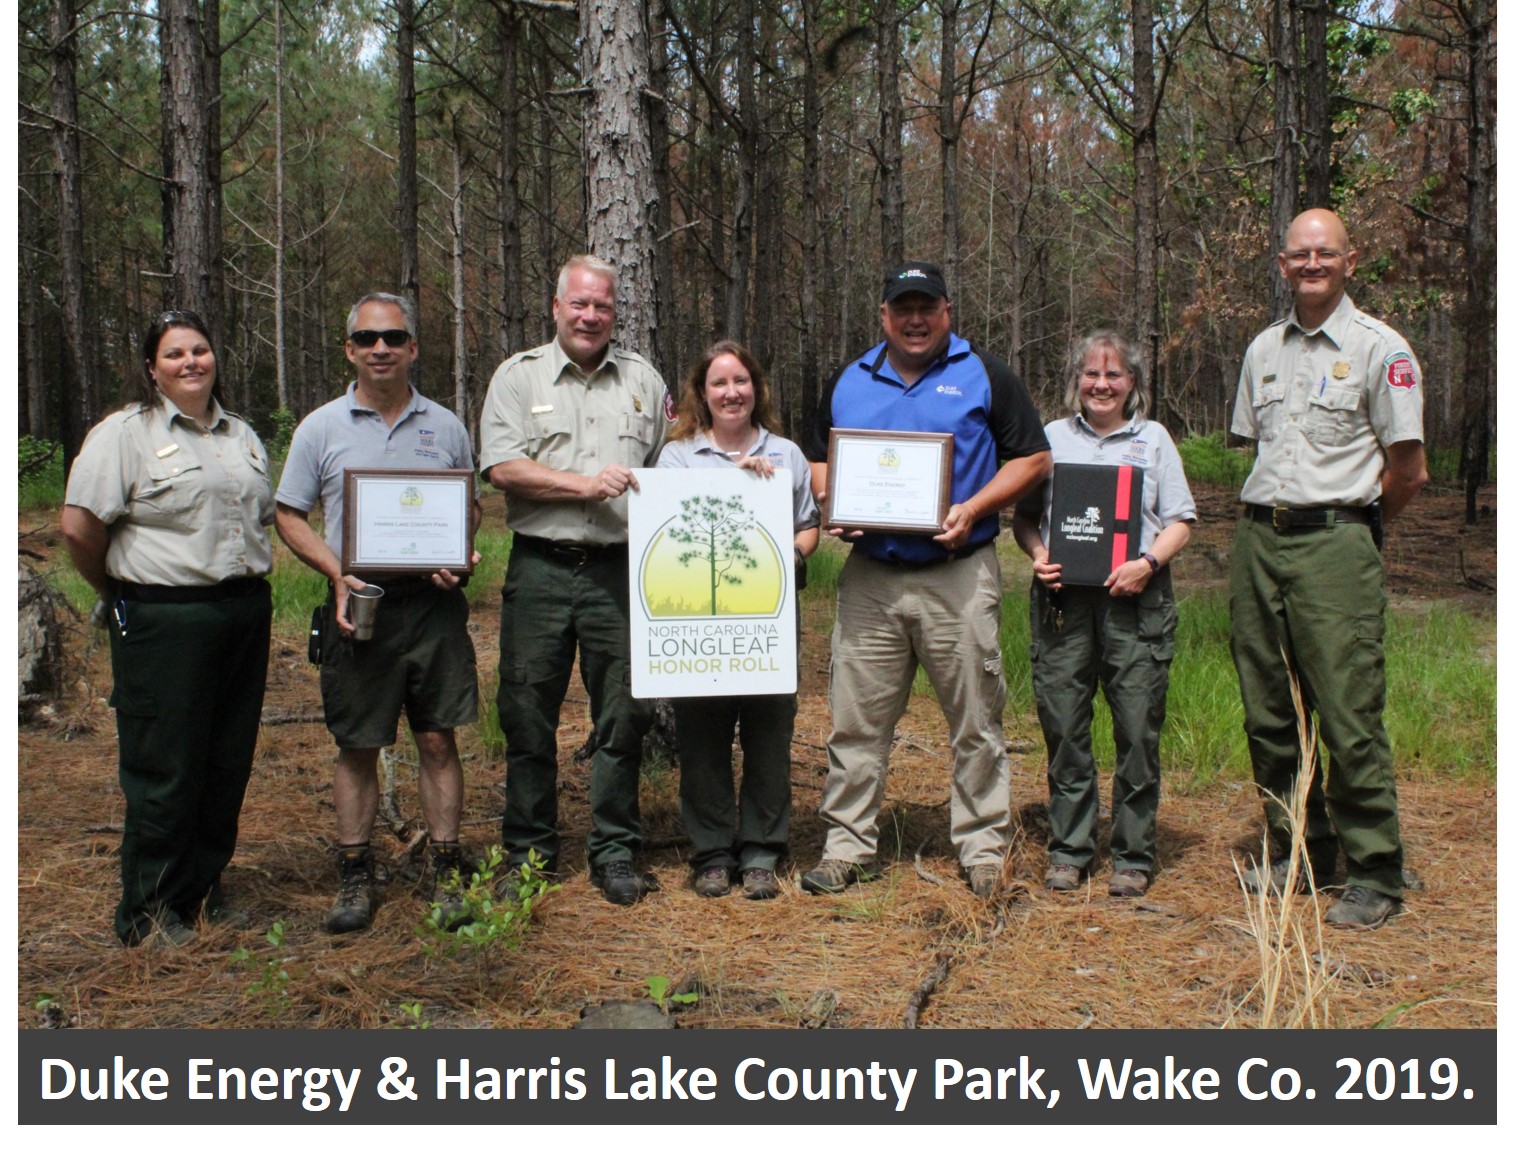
368 337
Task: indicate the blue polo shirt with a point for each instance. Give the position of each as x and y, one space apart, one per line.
971 394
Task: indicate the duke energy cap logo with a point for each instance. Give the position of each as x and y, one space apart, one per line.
713 560
1401 370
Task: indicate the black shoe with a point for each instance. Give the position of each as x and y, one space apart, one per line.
170 932
1363 908
449 874
357 892
223 914
621 883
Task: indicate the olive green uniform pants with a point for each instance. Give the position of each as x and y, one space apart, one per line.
1125 646
188 697
551 609
1314 599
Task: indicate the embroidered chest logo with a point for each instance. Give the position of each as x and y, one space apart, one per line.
426 438
1401 371
949 390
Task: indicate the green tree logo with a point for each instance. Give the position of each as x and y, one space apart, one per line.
715 531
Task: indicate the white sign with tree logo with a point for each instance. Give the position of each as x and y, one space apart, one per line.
712 583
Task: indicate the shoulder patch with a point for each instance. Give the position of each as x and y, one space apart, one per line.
1401 370
670 410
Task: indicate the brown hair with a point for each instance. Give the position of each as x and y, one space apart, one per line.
174 318
694 412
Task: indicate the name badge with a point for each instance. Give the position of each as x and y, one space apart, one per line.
166 451
540 409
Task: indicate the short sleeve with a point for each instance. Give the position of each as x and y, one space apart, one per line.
300 482
1396 397
1243 418
98 480
502 427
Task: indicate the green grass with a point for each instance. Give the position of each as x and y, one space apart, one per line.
44 488
1444 463
1207 460
1440 711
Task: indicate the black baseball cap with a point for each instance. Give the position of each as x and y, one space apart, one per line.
914 276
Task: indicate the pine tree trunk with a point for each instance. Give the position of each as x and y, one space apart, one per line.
1286 130
79 403
622 194
187 148
891 121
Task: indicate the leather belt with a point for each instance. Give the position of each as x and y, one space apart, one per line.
1285 519
227 590
577 555
946 558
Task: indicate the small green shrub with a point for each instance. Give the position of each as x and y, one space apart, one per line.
40 468
498 904
1207 460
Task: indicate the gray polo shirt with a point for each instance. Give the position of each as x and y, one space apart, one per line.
543 407
1322 406
698 451
1166 498
186 506
344 434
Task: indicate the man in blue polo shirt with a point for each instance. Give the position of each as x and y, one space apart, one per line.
908 601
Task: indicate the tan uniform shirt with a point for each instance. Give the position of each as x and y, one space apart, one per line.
1323 406
186 506
542 407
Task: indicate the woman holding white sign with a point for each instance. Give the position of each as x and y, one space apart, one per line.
1118 635
726 420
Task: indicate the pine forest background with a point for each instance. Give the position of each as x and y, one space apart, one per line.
752 166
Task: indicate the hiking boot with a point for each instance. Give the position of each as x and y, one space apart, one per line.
982 880
1129 883
222 914
171 933
1363 908
1274 878
831 876
759 885
713 881
357 892
621 883
449 874
1062 878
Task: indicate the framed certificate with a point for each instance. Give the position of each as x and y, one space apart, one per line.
888 481
404 520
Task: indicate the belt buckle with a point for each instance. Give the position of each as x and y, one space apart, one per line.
1282 522
575 554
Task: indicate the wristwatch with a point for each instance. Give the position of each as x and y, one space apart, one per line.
1151 560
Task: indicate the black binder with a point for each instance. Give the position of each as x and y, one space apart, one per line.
1096 520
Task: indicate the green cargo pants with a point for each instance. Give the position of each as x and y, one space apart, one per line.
188 697
1314 599
1125 646
551 609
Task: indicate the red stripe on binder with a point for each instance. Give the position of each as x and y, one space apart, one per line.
1122 516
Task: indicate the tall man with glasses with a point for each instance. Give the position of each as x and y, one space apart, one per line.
563 425
1333 399
420 657
905 602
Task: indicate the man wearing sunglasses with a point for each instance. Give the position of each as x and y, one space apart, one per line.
420 657
561 429
1333 398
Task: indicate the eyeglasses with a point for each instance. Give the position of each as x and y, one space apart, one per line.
368 337
1321 255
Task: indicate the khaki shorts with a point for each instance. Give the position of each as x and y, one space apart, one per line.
420 659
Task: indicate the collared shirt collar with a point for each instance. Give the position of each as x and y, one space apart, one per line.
1130 428
417 402
1336 325
877 361
560 361
213 411
701 442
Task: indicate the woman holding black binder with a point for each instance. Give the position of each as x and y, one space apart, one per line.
1116 631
